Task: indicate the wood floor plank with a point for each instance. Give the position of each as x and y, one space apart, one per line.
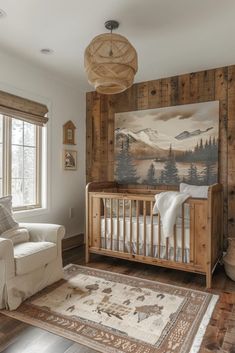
77 348
33 339
18 337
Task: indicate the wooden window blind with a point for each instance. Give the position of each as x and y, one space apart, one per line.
23 109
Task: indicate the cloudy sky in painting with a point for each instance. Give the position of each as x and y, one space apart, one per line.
172 121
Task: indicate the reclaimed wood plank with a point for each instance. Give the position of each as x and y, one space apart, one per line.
221 94
142 96
184 89
231 151
89 137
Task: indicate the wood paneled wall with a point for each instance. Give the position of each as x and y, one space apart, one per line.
215 84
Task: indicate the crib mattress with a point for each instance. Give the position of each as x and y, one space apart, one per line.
118 243
141 230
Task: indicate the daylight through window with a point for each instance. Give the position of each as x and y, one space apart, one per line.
20 159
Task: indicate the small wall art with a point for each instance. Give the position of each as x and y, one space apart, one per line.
69 133
70 160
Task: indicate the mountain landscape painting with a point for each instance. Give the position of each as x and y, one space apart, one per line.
168 145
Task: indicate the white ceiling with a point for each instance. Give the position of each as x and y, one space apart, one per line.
171 36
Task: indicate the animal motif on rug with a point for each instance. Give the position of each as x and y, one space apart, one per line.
145 311
80 292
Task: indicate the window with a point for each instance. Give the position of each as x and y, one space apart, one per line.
20 162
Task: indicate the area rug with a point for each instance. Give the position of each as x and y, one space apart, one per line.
114 313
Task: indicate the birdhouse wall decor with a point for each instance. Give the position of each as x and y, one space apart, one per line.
69 133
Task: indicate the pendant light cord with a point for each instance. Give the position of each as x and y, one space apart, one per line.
111 48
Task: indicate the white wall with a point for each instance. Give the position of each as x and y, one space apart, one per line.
65 188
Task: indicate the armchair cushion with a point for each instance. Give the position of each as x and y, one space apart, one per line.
6 220
30 256
6 201
16 235
45 232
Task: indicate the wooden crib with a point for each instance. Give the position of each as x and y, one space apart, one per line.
120 223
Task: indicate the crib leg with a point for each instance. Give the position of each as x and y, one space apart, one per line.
87 255
208 280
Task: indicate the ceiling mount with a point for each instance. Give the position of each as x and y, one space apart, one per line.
47 51
111 25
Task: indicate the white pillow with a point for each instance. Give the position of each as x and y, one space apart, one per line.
200 192
6 201
16 235
6 220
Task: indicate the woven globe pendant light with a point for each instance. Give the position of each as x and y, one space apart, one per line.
110 62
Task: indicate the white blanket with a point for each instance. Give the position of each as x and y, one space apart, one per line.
168 204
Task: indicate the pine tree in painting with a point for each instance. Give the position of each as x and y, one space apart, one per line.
170 171
209 174
161 179
193 175
203 151
151 178
201 145
125 168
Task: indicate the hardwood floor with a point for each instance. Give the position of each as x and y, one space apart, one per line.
17 337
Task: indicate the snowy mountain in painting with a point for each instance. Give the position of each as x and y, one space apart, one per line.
151 138
186 134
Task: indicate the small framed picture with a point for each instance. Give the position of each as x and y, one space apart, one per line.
70 160
69 133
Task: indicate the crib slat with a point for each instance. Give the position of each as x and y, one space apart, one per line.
95 224
118 228
105 223
144 228
151 225
111 225
130 215
175 244
192 235
182 231
137 227
159 235
124 224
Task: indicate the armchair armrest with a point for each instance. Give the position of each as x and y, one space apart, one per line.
7 255
53 233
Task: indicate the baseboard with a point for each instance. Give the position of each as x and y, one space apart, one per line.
72 242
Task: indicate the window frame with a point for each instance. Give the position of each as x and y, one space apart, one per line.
7 163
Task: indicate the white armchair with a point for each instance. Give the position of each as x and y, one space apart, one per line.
28 267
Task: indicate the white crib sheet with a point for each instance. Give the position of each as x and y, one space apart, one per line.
141 231
118 245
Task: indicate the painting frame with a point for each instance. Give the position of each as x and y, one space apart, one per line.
70 159
181 142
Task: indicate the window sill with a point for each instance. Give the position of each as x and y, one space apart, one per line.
29 213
